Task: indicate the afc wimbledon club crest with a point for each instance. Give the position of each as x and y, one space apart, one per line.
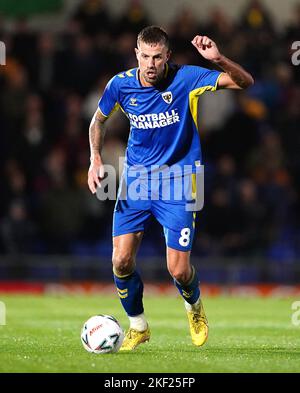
167 97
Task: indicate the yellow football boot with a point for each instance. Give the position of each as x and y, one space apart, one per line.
198 325
133 338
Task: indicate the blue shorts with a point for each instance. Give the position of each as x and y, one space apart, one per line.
166 200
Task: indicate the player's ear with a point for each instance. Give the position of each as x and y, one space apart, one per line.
169 55
136 52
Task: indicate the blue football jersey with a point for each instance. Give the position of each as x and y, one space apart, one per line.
163 118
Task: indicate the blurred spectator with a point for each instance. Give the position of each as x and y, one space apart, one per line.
134 19
221 29
2 29
231 138
257 25
45 72
14 185
221 228
256 17
31 144
226 175
125 45
82 66
93 16
17 230
289 132
91 100
252 219
14 95
61 214
292 32
24 43
214 109
73 140
266 160
183 29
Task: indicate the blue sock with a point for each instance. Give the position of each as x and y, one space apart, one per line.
130 290
190 291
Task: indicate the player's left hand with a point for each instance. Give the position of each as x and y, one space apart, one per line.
206 47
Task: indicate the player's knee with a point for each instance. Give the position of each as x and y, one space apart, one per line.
181 276
123 264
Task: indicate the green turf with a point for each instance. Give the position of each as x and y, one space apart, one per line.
42 334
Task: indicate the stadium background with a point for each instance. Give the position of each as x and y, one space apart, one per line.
59 56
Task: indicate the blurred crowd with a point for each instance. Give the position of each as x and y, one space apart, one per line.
49 90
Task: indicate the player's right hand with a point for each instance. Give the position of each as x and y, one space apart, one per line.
95 174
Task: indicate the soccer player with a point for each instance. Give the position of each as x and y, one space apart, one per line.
160 101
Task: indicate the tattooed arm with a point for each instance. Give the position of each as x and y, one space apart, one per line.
96 138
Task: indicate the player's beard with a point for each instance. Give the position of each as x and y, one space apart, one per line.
154 78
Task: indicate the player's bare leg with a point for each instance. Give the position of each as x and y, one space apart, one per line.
125 248
130 288
186 281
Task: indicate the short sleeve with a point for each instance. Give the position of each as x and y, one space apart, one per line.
200 78
109 98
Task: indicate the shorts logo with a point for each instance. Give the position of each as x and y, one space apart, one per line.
167 97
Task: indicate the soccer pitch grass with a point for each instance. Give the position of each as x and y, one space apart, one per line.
42 334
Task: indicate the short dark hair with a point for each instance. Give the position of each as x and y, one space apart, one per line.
153 35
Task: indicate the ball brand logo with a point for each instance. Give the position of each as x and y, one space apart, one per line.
95 329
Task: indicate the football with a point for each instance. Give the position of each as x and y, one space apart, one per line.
102 334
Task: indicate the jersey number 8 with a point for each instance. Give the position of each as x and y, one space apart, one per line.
184 240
